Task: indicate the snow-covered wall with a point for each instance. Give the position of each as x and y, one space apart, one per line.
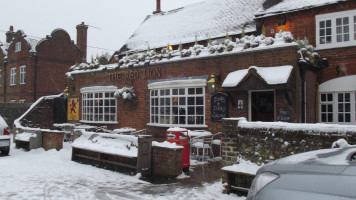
262 142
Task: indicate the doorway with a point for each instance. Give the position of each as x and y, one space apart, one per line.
262 106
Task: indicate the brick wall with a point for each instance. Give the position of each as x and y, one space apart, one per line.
138 116
302 25
52 140
166 161
262 145
12 111
41 116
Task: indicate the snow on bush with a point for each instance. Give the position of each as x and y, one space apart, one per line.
125 93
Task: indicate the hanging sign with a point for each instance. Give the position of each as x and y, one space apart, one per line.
285 114
219 107
73 109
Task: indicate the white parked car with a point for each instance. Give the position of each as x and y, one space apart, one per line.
4 137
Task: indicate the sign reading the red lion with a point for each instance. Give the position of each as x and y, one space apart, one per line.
73 109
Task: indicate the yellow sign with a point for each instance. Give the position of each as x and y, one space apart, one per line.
73 109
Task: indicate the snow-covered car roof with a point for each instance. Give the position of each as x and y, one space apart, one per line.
200 21
287 6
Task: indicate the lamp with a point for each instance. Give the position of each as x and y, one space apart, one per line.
66 92
213 83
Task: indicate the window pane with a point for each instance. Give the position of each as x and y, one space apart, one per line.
347 97
330 97
341 97
347 118
191 100
330 117
191 91
323 118
330 108
328 23
199 90
175 91
191 110
323 97
181 100
322 24
341 118
181 91
200 101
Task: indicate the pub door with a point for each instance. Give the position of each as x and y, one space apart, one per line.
262 106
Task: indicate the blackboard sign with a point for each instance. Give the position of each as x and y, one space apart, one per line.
219 107
285 114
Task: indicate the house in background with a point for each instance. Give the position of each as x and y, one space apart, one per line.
31 68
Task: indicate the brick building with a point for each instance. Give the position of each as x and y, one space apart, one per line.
31 68
165 78
329 26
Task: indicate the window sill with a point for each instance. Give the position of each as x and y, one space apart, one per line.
333 46
93 122
177 125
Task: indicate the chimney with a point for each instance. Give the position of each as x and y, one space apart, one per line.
82 35
158 7
10 34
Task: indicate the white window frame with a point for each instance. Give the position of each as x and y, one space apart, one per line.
334 88
12 76
23 74
18 46
178 103
99 105
338 108
22 101
351 14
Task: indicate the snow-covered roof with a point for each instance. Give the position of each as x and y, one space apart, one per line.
3 47
287 6
208 19
139 59
272 75
33 43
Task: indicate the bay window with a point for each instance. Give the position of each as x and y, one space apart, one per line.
99 104
178 103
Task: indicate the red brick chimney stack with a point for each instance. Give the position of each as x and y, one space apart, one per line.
10 34
82 39
158 7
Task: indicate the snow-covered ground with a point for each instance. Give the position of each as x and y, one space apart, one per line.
40 174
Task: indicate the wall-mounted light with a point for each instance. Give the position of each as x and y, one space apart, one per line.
213 83
170 48
66 93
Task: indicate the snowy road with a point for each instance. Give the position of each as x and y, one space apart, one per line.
40 174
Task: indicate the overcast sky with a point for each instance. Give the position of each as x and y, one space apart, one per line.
111 22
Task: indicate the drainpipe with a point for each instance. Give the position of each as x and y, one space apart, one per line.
4 95
35 78
303 67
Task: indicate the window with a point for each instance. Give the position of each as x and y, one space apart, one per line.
99 104
18 46
338 107
182 105
22 101
326 110
12 101
23 75
336 29
13 76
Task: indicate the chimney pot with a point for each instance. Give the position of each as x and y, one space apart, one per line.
10 35
158 7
